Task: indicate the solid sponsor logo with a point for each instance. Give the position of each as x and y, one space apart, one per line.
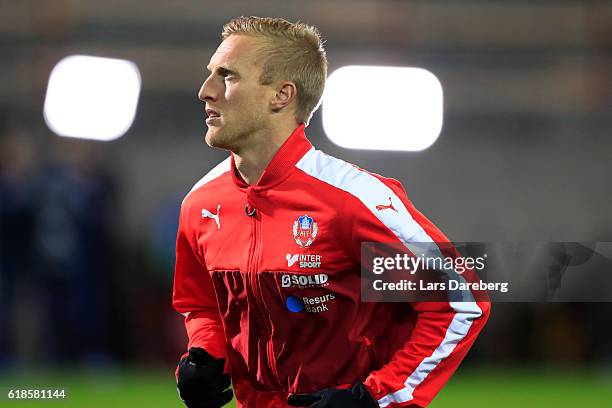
305 230
304 281
310 261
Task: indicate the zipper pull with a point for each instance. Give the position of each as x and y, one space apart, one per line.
250 211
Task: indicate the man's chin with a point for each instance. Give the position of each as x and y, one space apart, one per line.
214 139
211 137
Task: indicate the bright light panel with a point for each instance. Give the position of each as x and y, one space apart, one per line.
382 108
92 97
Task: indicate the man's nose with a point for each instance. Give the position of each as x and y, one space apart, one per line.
206 92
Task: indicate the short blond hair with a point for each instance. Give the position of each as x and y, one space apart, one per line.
293 52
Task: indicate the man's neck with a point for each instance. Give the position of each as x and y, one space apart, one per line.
252 160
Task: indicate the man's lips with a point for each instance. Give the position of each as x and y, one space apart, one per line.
214 117
212 113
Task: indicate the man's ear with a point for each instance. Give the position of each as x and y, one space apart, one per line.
286 92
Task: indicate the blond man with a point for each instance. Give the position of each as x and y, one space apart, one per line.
268 250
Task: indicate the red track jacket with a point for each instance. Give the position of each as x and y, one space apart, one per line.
268 276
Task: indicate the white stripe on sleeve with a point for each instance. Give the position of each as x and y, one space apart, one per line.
370 191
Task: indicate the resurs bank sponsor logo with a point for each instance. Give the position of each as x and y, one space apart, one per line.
316 304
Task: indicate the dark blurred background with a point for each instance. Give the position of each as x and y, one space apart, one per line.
87 228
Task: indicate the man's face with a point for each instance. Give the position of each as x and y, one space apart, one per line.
236 103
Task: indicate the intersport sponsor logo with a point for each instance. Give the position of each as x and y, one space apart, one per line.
304 281
306 261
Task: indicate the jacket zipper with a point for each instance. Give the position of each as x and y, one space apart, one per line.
253 263
370 348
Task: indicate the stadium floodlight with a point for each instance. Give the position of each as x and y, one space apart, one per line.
382 108
91 97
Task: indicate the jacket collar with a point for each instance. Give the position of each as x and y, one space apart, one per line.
281 164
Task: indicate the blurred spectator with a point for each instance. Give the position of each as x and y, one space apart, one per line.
74 215
16 218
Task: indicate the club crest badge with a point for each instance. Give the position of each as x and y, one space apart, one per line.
305 230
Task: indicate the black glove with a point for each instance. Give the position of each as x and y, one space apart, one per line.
201 380
356 397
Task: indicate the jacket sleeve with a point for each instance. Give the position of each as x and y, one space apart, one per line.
194 295
443 332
